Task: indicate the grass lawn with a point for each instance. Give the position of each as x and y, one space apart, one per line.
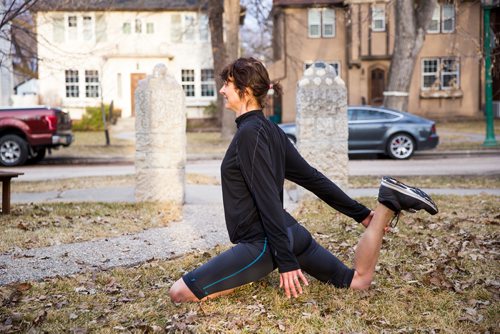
93 144
436 274
474 127
456 135
46 224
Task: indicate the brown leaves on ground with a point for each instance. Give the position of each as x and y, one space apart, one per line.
435 274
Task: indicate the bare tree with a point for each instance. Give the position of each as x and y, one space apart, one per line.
412 18
257 36
216 25
13 9
232 11
223 52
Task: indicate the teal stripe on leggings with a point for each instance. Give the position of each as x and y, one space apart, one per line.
239 271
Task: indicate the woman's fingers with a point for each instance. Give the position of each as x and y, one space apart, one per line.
303 278
287 287
290 281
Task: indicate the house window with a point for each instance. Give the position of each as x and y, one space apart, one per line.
150 28
378 19
87 28
450 71
203 27
328 26
207 82
187 80
126 28
321 22
138 26
72 28
448 14
443 19
440 73
189 27
320 64
91 83
72 83
58 29
176 30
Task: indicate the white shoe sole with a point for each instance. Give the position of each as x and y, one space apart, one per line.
408 192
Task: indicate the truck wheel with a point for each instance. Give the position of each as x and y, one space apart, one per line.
13 150
37 155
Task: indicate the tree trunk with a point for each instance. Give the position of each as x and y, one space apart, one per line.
232 20
215 22
411 24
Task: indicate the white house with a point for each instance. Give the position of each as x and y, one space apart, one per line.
98 50
6 85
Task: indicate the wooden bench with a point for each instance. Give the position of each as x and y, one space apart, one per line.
5 177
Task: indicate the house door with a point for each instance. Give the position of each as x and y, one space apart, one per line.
134 81
377 86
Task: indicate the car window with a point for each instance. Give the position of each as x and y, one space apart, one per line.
372 115
350 114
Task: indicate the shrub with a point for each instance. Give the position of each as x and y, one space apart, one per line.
92 119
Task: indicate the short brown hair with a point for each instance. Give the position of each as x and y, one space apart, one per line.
250 73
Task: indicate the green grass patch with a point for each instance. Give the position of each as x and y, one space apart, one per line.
436 274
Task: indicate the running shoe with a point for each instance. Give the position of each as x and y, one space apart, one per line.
398 196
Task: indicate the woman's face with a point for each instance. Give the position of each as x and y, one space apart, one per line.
232 100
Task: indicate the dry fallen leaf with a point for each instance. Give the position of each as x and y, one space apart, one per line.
23 287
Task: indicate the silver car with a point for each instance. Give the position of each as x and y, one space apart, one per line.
381 130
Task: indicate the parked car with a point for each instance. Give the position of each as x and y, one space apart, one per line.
381 130
27 133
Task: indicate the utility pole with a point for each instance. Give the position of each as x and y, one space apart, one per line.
490 139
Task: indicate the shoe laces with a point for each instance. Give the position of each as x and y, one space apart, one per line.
396 217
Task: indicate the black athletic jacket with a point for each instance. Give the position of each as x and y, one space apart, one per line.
256 163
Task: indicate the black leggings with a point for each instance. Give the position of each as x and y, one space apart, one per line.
250 261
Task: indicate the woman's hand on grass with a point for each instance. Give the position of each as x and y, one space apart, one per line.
290 281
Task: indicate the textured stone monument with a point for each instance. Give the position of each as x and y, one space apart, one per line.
160 126
322 128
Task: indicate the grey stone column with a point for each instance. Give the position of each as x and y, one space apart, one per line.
160 125
322 128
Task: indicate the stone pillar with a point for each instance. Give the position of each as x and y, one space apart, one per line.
160 127
321 120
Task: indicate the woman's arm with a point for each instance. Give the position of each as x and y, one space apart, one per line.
300 172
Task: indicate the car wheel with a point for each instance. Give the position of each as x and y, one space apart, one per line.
400 146
37 155
13 150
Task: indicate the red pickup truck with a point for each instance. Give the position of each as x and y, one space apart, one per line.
27 133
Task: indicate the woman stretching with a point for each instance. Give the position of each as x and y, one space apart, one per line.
258 160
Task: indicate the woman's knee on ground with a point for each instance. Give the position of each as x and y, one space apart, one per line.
180 293
361 281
